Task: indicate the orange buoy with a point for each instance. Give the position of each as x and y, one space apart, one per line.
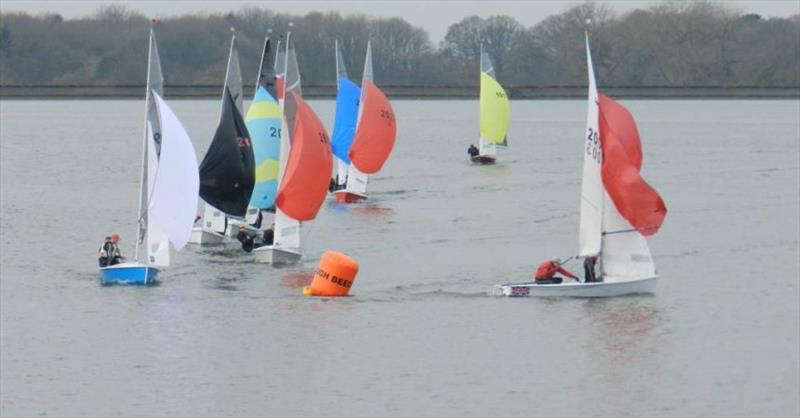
335 275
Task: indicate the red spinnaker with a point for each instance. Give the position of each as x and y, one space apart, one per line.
635 200
375 133
308 169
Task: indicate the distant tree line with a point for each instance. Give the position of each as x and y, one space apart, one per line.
670 44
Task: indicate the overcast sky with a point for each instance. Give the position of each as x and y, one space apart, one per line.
433 16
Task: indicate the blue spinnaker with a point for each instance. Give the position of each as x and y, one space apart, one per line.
344 125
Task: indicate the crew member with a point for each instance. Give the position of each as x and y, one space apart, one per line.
546 273
109 253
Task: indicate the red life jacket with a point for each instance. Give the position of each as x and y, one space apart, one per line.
548 270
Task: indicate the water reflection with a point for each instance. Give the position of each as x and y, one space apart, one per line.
625 347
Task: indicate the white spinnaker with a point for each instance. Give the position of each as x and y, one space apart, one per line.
156 241
287 229
173 200
592 191
625 254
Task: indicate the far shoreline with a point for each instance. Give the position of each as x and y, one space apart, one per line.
75 92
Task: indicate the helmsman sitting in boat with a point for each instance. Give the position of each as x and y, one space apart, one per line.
546 273
109 253
473 151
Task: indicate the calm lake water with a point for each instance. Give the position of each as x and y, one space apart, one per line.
421 335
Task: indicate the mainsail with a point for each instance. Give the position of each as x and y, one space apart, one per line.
263 122
591 218
157 247
377 128
495 110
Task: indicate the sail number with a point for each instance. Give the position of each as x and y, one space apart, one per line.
323 137
243 142
500 94
274 132
387 114
593 146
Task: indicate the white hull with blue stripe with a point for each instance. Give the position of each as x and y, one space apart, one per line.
128 273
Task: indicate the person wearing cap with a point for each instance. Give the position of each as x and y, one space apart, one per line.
109 253
546 273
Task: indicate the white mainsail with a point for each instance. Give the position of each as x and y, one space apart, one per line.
287 229
357 180
592 190
485 146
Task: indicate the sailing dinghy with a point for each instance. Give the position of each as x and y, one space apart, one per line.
495 113
304 169
168 188
374 136
227 172
618 208
263 120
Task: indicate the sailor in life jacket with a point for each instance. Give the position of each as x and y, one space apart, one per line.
546 273
109 253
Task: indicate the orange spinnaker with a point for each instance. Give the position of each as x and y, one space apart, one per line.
335 275
635 200
375 133
308 169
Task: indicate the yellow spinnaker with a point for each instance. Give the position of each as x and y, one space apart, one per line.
495 110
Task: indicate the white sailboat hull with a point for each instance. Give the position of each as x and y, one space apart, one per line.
201 236
578 290
268 254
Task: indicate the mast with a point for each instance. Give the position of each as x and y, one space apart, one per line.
264 52
141 228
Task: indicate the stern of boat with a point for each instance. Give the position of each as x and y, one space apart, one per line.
128 273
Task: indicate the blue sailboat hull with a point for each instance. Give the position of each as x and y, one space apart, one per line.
128 273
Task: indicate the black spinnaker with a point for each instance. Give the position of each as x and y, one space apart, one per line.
227 173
